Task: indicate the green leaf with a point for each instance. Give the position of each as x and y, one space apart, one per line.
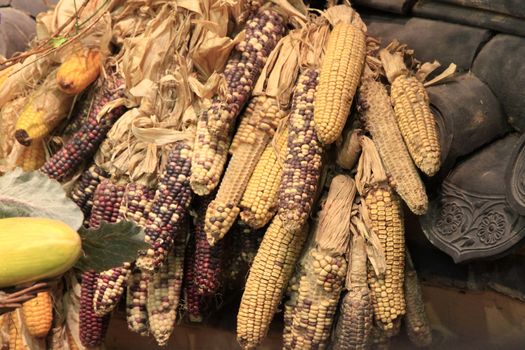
34 194
110 246
58 41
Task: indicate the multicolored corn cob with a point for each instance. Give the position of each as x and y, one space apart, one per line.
136 303
164 290
37 314
269 275
87 139
84 190
192 299
79 70
169 208
302 165
32 157
263 30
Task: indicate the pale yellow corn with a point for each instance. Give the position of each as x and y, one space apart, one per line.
37 314
16 341
33 157
340 75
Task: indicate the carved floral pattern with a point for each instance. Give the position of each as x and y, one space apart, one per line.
491 227
450 219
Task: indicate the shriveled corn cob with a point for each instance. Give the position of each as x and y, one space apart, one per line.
207 260
37 314
79 70
136 303
386 220
87 139
135 204
84 190
169 208
16 341
354 326
416 319
263 31
269 275
32 157
416 121
164 290
340 74
106 203
302 164
43 111
259 201
379 118
263 114
209 156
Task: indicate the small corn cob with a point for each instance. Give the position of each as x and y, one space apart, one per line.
259 201
169 208
380 340
16 342
37 314
136 303
355 323
416 319
164 293
106 204
386 219
192 299
70 340
302 165
380 120
135 204
263 31
43 111
87 139
263 114
79 70
340 74
32 157
209 157
269 275
207 260
84 190
416 121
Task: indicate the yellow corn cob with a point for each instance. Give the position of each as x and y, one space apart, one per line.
78 71
416 121
33 157
416 319
259 201
16 341
340 73
260 121
38 315
43 111
379 117
386 221
269 275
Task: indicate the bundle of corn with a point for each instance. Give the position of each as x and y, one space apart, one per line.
414 118
416 319
383 215
324 270
340 72
379 118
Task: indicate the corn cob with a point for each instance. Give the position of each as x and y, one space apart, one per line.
136 303
84 190
416 121
416 319
87 139
263 114
106 204
78 71
164 293
32 157
207 260
302 165
111 283
192 299
340 74
169 208
354 326
259 201
37 314
289 308
269 275
380 121
263 31
16 341
209 156
386 220
380 340
43 111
